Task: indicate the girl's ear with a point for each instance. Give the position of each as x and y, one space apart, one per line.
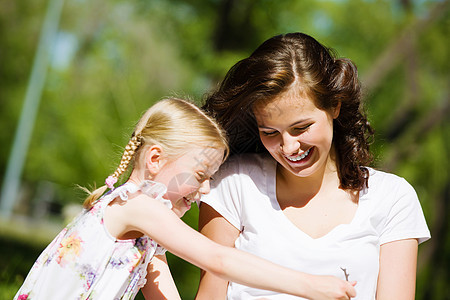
336 110
154 159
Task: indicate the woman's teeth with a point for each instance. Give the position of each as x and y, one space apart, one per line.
298 157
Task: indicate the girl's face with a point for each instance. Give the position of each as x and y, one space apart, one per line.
187 177
296 133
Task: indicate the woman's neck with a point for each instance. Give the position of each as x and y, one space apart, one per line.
324 179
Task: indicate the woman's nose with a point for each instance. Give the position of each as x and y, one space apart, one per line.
290 145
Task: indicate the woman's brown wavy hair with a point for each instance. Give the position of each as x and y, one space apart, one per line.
270 71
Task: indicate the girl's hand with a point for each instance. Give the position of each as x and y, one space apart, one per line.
330 288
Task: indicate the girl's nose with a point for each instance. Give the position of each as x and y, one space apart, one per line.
204 187
290 145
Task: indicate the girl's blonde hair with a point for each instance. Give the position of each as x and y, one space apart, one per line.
176 125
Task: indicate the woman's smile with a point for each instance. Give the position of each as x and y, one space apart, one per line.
298 157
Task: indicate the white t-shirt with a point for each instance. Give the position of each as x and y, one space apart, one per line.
244 193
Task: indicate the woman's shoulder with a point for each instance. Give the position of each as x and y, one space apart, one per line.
248 159
245 163
379 177
242 169
395 208
388 184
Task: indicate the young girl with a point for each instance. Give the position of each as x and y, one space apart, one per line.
303 195
116 245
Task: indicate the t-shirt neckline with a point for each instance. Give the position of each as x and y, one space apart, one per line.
271 166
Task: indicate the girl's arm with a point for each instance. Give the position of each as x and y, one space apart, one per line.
160 284
152 218
217 228
397 277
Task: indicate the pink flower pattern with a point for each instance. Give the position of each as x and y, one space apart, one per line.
77 257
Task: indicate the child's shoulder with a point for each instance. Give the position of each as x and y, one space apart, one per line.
149 188
130 196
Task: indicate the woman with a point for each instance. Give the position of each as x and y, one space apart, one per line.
297 189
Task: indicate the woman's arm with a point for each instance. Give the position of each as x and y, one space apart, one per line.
397 276
155 220
217 228
160 284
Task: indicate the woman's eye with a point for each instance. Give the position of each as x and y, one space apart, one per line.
302 128
268 133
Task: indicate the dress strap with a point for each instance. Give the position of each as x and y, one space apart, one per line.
153 189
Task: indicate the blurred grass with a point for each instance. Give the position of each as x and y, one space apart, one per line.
16 259
21 242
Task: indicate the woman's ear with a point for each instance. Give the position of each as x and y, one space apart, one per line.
336 110
154 159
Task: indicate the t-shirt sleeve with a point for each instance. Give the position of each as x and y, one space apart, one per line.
405 218
224 194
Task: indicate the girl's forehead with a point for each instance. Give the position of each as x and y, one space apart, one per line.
207 154
209 159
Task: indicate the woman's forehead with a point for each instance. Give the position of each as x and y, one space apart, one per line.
283 104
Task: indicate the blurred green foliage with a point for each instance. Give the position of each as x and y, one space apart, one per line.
113 59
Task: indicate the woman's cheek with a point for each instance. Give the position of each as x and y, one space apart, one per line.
269 143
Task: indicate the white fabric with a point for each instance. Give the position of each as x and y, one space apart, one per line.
244 192
85 262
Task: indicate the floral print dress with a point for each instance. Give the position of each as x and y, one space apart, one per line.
85 262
